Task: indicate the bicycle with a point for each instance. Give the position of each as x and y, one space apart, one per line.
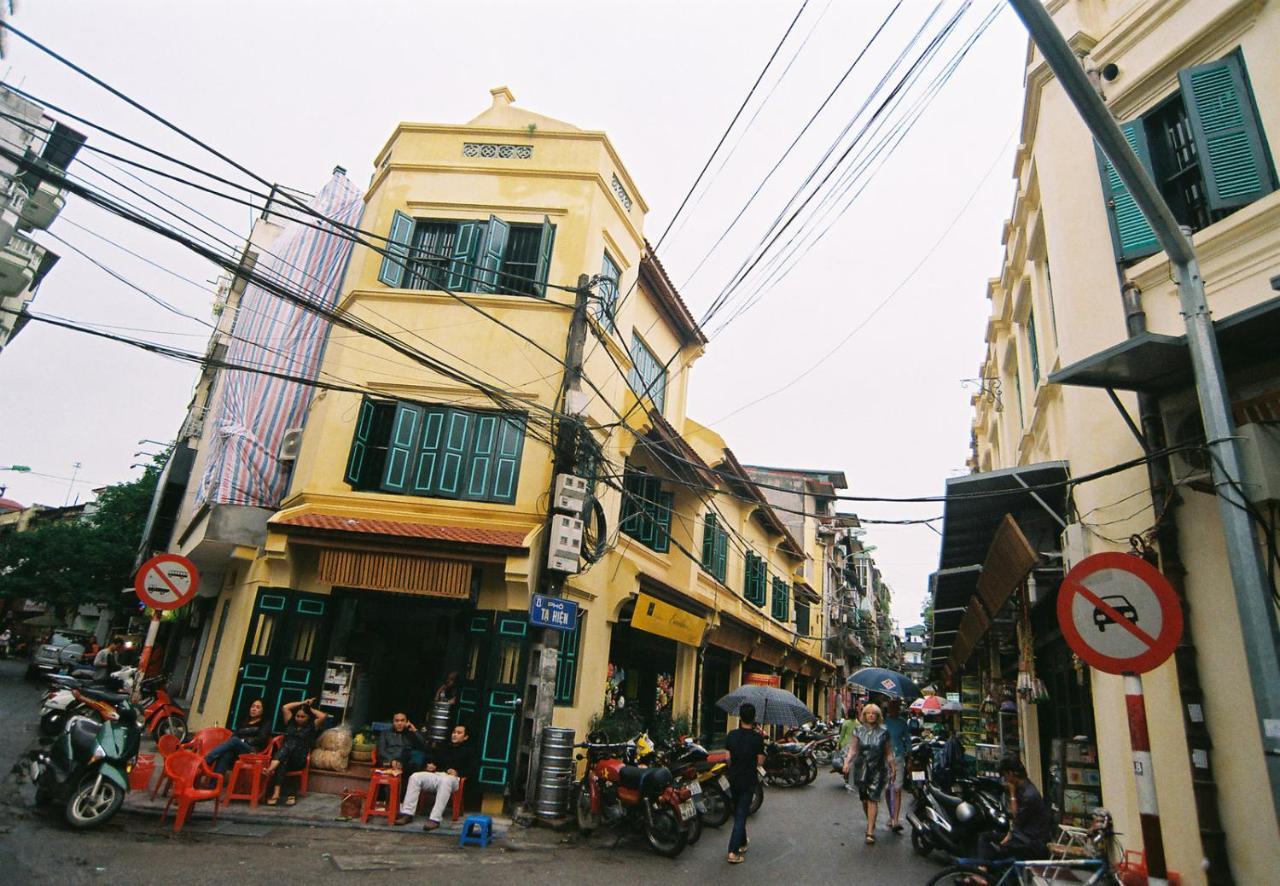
1023 872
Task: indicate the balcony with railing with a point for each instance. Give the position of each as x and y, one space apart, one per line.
19 259
42 207
12 200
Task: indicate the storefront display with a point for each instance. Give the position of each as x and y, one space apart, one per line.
1075 781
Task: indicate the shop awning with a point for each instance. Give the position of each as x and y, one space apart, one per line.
1159 363
319 525
396 573
980 548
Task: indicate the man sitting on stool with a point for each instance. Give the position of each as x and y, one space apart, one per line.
446 766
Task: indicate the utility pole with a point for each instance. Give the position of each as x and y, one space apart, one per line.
1258 626
544 655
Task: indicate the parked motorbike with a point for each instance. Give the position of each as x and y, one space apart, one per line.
161 715
688 760
953 822
757 797
614 794
60 702
789 764
86 767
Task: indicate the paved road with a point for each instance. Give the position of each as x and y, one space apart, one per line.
810 835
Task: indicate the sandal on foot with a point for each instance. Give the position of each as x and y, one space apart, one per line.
291 801
271 801
736 858
871 840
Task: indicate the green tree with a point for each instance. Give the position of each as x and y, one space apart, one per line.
69 563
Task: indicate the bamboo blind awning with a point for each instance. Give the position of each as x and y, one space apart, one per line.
1010 560
397 573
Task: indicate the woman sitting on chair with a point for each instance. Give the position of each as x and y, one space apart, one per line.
304 725
251 738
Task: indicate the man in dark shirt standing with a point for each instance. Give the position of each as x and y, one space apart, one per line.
1029 835
746 755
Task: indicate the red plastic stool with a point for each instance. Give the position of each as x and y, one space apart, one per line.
254 768
381 778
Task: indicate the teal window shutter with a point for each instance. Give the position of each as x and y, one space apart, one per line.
397 250
544 255
496 234
1224 123
454 452
1033 349
802 619
567 672
781 607
428 461
721 568
647 376
632 515
462 260
506 469
708 541
404 439
1131 234
480 461
609 291
662 520
360 444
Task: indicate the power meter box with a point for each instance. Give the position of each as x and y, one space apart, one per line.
570 494
566 543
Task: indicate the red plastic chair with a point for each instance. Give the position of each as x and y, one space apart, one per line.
303 775
254 768
455 801
207 739
166 745
184 767
391 781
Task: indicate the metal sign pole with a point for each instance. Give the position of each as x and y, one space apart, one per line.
147 645
1144 775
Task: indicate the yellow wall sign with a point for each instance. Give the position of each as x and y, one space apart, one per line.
666 620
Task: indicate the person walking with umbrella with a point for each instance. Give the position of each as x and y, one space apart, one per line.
746 755
871 759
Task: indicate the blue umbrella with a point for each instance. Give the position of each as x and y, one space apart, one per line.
772 705
886 682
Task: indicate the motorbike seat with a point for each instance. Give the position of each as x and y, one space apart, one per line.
648 780
113 698
944 798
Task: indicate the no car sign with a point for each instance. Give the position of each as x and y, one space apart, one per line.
1119 613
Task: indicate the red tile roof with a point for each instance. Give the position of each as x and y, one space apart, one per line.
496 538
8 504
659 285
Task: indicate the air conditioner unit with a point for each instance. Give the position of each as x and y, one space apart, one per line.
1184 427
290 444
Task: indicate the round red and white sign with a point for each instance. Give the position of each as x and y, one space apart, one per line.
1119 613
167 581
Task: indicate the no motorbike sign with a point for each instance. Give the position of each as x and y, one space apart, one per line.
1119 614
167 581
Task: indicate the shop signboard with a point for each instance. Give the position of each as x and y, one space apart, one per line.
1119 614
555 613
751 679
668 621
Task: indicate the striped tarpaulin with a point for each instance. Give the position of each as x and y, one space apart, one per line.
250 412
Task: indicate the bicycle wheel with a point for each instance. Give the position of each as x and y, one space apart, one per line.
961 875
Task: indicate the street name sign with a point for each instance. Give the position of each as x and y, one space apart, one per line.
167 581
553 612
1119 613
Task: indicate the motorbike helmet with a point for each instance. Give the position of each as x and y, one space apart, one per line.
965 813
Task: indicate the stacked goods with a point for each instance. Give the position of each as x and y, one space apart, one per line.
333 748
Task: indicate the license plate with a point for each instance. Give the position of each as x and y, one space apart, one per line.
720 783
687 811
695 788
917 776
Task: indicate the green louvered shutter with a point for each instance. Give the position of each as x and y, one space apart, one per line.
722 554
709 542
397 250
400 451
1233 157
480 458
360 445
1131 235
453 453
567 671
662 521
506 471
428 461
496 234
544 255
462 259
781 607
632 505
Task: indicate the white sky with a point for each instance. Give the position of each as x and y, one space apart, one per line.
290 89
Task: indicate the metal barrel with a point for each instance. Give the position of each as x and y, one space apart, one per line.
557 772
441 721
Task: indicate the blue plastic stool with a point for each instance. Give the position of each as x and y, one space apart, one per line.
481 822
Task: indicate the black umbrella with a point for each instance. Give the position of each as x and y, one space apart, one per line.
886 682
772 705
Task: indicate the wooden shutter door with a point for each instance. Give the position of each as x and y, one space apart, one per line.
1224 124
397 250
709 542
457 439
404 438
506 473
480 460
545 243
428 461
359 444
462 260
495 246
662 518
1131 235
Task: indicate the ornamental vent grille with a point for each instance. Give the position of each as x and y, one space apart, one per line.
622 193
497 152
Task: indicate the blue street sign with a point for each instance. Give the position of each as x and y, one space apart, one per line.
553 612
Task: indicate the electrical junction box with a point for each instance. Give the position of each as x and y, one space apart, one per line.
1260 461
566 543
570 494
